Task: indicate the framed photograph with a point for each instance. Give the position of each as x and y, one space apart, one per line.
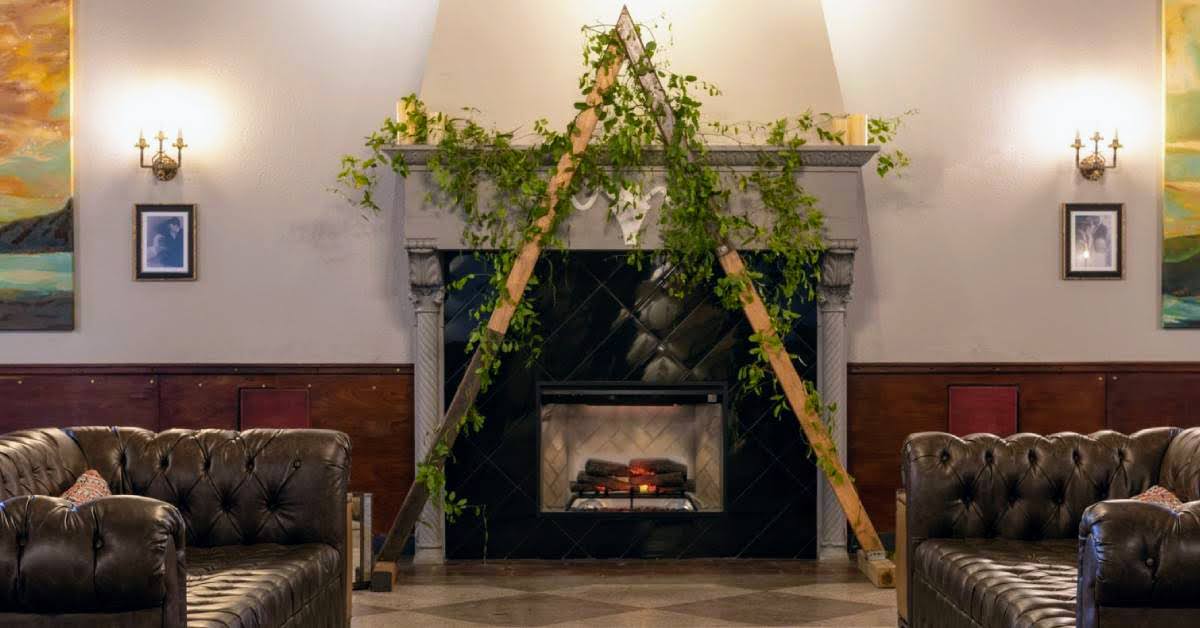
1093 240
164 242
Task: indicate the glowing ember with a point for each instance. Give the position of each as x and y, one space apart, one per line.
645 488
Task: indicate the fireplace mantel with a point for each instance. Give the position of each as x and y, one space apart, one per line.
833 174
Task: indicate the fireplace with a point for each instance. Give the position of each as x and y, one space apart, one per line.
604 321
622 354
619 447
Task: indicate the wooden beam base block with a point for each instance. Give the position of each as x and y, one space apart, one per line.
383 578
880 571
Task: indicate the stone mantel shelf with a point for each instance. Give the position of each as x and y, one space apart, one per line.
814 156
833 174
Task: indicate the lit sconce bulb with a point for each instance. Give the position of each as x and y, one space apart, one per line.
164 166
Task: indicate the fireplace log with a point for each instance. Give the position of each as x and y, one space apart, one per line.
615 486
592 484
655 466
604 468
666 480
670 481
661 479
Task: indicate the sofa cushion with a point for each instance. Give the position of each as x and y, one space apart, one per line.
256 585
1002 582
1161 496
88 488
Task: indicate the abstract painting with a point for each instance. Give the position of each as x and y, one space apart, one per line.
1181 166
37 245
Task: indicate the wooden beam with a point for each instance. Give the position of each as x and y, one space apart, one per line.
756 312
880 571
348 559
582 129
797 397
875 564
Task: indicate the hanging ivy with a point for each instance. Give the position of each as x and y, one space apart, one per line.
692 221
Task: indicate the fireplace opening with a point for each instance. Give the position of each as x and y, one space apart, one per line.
626 448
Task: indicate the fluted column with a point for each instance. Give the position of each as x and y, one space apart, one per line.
427 291
837 277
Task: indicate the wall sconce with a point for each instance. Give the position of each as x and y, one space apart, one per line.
1093 166
164 167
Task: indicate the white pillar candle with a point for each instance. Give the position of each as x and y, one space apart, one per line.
403 110
856 134
841 128
436 128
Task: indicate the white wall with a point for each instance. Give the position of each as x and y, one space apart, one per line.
961 262
770 57
269 94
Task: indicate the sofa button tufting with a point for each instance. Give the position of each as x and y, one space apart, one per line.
1150 563
99 543
296 464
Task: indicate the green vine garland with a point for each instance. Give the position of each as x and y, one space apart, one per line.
690 221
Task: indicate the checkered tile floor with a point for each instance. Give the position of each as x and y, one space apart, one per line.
630 593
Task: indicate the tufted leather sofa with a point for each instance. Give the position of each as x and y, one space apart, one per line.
205 528
1037 531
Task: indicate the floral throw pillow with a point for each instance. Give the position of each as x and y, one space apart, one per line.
89 487
1159 495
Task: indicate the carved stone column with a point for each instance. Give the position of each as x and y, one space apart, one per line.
837 276
427 293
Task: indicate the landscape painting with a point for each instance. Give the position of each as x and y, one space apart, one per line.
37 258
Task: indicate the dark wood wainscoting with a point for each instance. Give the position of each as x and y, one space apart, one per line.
887 402
371 403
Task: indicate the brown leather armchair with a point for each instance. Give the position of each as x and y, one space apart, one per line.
1038 531
208 527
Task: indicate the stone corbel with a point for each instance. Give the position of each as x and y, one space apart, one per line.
425 275
837 274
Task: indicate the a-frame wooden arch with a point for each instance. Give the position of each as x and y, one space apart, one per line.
872 558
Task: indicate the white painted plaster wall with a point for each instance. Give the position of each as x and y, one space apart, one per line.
961 258
269 94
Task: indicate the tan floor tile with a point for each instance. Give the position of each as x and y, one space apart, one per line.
854 592
650 618
407 619
882 618
772 608
415 596
651 595
529 609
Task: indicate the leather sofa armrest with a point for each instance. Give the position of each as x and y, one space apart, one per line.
1137 554
118 553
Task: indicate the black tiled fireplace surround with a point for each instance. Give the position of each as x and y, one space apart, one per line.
604 320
